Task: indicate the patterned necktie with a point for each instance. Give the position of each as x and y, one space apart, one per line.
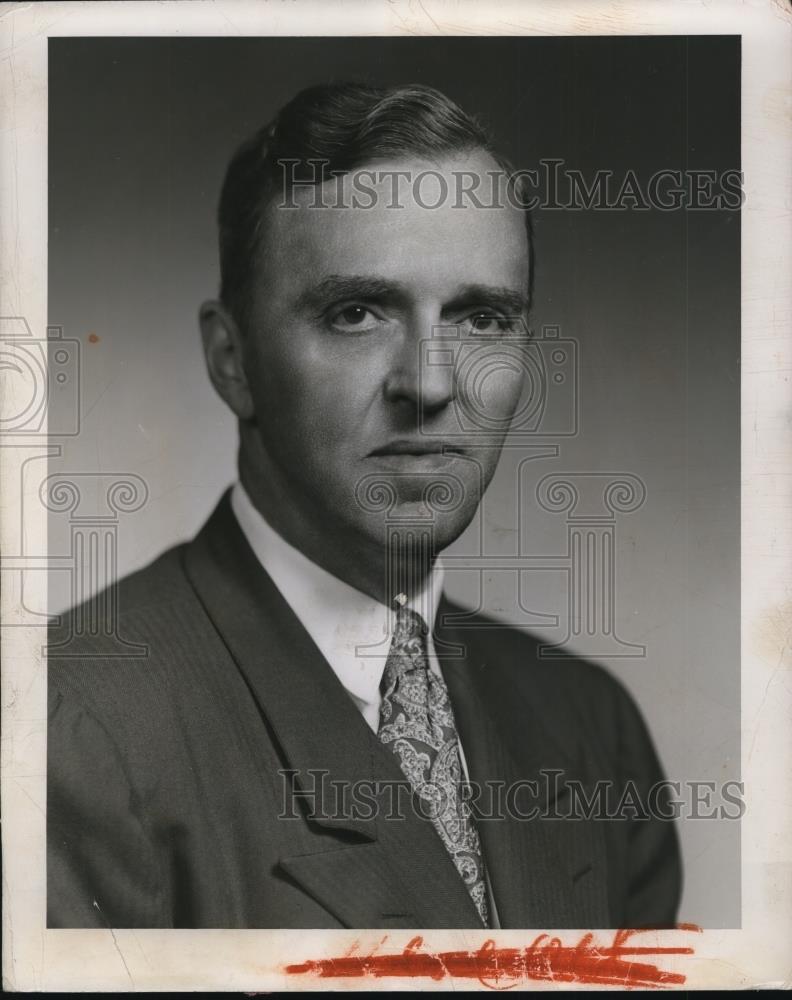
417 723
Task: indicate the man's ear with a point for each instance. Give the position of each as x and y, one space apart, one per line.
224 351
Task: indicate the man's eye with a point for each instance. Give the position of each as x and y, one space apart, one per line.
485 323
354 319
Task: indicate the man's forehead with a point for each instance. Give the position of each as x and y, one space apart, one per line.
462 179
408 208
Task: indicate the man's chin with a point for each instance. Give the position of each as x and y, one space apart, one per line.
412 526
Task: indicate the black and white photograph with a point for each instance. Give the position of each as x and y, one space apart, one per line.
379 473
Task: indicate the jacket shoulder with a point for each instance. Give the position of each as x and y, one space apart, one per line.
157 581
146 624
579 700
498 648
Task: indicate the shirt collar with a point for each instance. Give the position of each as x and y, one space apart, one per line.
350 628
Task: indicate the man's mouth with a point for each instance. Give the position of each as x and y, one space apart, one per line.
417 447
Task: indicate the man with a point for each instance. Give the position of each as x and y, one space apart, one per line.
304 669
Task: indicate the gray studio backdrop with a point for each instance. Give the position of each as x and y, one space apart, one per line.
647 301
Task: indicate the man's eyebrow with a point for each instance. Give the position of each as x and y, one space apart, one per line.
336 287
373 288
508 300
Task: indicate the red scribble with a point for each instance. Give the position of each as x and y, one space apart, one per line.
546 958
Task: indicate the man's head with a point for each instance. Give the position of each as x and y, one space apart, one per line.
374 289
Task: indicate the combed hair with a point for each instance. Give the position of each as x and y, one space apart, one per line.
325 131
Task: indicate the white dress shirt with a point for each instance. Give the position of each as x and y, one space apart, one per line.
350 628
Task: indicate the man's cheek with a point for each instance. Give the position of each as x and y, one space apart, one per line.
506 388
325 429
488 391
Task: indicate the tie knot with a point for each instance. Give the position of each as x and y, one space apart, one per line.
409 625
408 648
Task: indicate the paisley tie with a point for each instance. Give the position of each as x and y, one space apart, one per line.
417 723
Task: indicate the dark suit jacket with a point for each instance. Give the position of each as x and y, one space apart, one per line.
167 774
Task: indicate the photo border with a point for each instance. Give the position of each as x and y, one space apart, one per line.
35 958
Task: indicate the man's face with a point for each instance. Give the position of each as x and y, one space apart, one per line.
362 418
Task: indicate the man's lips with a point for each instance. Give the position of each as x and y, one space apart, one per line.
420 446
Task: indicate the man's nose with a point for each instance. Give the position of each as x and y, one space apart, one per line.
422 371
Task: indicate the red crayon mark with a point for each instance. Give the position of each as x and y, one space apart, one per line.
93 338
546 958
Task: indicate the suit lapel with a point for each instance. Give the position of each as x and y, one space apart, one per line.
544 872
367 869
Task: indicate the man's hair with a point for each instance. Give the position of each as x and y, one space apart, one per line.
322 132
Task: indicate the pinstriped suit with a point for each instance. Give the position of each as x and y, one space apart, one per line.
167 774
